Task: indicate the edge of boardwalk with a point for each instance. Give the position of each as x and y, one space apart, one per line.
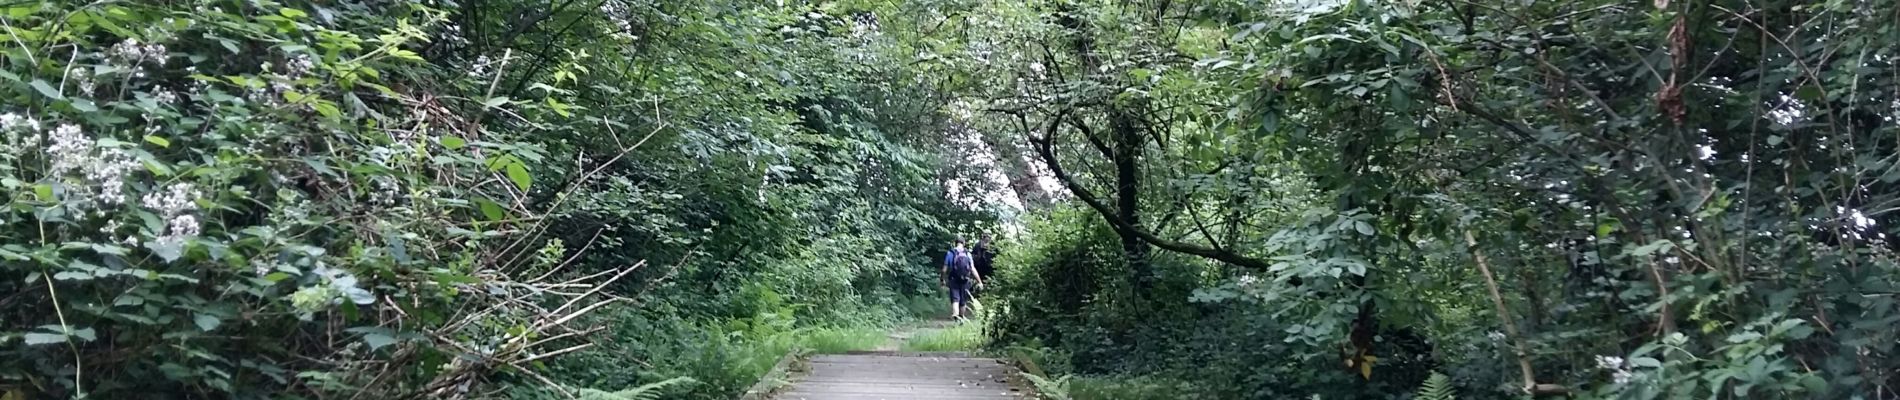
773 379
907 375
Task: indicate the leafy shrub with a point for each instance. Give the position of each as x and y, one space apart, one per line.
290 199
249 200
1065 291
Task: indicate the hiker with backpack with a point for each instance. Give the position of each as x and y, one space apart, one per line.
960 277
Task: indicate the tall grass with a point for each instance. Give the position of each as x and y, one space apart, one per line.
840 340
960 337
926 307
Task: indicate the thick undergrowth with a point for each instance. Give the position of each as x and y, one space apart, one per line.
1228 199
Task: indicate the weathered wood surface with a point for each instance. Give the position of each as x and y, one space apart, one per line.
903 376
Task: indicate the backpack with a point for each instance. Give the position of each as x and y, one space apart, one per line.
962 266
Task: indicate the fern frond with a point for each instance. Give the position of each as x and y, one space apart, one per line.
1437 387
1057 389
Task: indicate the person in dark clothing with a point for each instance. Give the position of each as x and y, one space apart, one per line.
961 279
985 254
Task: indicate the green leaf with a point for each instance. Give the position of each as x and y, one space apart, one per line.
1363 227
44 338
519 174
405 54
155 139
44 191
495 102
292 13
12 256
84 105
46 89
451 142
72 276
1652 248
1809 93
490 209
378 340
327 109
169 250
206 322
1645 362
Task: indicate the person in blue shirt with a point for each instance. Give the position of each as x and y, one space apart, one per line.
951 255
959 273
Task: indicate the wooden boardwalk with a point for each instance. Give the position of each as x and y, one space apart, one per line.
903 376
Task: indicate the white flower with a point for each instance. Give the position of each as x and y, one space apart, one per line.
480 67
82 80
69 151
9 121
183 226
385 192
175 199
1495 335
128 49
345 284
1623 376
156 52
165 97
1609 362
131 50
298 66
103 170
175 203
108 171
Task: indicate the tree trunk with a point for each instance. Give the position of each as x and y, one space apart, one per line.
1126 154
1128 148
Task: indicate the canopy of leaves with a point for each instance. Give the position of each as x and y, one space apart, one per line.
1259 198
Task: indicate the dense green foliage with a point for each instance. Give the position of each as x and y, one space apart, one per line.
1670 199
257 199
1220 199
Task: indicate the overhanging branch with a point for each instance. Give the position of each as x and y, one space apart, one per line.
1045 148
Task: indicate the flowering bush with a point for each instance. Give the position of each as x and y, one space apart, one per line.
229 199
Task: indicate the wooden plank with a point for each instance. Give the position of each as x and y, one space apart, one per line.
772 378
895 376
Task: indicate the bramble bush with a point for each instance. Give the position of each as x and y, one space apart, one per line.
302 199
257 200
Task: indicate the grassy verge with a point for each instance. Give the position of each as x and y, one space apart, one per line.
924 308
960 337
840 340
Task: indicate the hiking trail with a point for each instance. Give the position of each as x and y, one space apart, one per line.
890 374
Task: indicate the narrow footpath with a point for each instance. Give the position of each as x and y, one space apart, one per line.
889 374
